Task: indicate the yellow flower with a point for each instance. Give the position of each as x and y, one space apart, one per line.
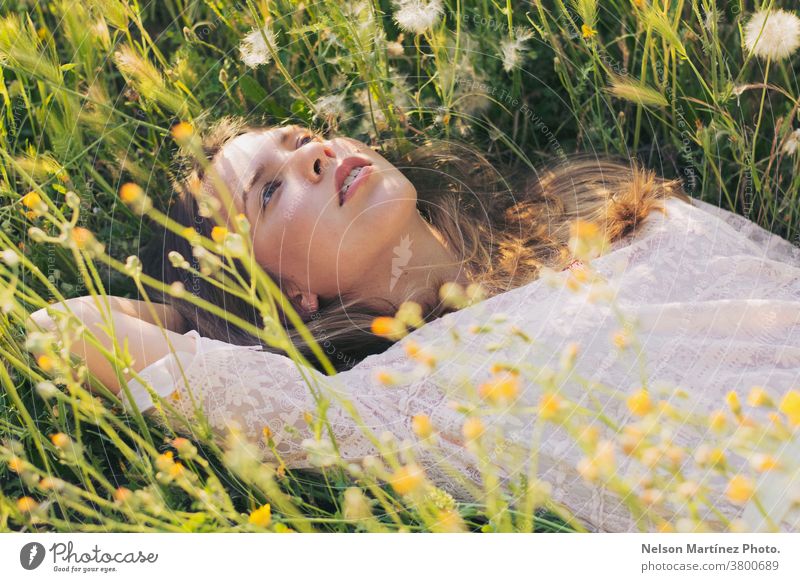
639 403
732 399
190 234
422 426
666 527
621 339
267 432
758 397
410 313
45 362
164 461
710 456
790 406
384 377
184 446
568 356
130 193
407 479
473 428
632 439
651 496
261 516
33 201
497 367
176 469
122 494
716 420
549 405
60 440
502 388
411 347
449 521
587 31
584 229
218 234
81 237
388 327
182 131
53 483
674 455
588 469
740 489
16 464
27 504
762 462
452 295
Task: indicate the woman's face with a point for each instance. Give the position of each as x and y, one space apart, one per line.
290 184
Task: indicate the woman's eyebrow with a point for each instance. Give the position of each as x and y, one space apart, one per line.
259 172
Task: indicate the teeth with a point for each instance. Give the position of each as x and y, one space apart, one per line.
350 178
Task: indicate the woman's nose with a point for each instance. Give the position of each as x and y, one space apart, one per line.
316 160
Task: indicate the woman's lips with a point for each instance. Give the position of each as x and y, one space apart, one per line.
344 169
366 172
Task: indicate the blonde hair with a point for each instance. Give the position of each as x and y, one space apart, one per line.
505 231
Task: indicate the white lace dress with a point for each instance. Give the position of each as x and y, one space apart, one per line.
716 297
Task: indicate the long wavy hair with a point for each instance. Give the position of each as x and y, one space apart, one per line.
505 226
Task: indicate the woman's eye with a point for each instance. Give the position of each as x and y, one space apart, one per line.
268 192
305 139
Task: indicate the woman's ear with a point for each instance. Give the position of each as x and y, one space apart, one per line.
308 302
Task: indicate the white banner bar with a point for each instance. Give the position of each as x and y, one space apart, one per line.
402 557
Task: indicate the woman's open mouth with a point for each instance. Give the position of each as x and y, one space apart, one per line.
352 172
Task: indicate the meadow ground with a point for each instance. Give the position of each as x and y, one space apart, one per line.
98 94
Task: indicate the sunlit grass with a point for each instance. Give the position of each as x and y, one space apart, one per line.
98 96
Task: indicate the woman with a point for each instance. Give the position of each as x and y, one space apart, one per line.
713 295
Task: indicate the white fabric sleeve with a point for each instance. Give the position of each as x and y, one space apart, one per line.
246 388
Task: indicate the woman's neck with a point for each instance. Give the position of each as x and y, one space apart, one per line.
421 259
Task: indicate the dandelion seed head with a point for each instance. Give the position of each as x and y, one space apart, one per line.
511 49
790 146
331 107
417 16
711 19
772 34
254 49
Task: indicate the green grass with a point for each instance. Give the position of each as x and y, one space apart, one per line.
89 91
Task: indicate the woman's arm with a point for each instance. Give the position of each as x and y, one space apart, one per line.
167 316
130 321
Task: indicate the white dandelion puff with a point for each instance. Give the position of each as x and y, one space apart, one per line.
790 146
510 49
772 34
711 20
417 16
254 49
331 107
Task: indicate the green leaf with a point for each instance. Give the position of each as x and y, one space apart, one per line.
252 90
